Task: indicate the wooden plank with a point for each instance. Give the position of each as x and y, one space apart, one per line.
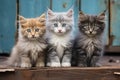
73 73
7 25
32 8
83 74
115 22
7 70
115 49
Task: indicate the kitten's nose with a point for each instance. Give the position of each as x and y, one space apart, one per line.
60 31
90 32
33 36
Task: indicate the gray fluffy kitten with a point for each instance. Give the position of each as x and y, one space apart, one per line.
89 42
59 35
29 49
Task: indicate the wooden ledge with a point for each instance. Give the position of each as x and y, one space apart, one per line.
72 73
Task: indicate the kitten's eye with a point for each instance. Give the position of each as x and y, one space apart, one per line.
56 25
97 28
63 25
36 30
28 30
84 27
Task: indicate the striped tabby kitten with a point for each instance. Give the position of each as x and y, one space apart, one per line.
89 43
59 35
29 49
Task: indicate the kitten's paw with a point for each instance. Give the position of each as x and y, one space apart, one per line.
48 64
25 65
40 64
98 65
65 64
55 64
82 65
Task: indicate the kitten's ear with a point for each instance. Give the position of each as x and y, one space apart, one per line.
21 17
70 13
50 13
82 16
42 18
22 20
101 17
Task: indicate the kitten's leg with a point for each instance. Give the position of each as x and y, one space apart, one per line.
82 58
66 60
40 61
25 62
54 59
95 59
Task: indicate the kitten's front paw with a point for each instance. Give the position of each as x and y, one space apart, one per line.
82 65
66 64
98 65
48 64
40 64
25 65
55 64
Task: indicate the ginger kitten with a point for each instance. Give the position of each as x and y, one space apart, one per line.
29 49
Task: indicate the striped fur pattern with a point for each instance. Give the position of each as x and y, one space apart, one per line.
89 42
29 49
59 35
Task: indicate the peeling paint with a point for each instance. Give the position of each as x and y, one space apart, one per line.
64 5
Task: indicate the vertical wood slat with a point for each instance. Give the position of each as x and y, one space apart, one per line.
7 25
32 8
115 22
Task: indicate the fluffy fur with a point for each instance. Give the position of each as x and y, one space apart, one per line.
29 49
59 35
89 44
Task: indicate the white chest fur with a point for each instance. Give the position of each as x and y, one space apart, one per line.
60 42
34 47
89 44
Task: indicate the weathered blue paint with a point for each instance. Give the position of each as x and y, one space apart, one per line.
94 7
7 24
33 8
115 22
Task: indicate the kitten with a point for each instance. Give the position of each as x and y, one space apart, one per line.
29 49
59 35
89 42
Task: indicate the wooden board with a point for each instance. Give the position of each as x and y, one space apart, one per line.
75 73
115 22
33 8
7 25
109 71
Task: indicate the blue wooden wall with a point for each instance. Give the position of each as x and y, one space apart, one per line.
34 8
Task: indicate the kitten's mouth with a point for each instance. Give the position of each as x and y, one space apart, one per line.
91 35
59 32
33 38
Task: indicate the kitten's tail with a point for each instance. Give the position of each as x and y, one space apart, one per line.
11 60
